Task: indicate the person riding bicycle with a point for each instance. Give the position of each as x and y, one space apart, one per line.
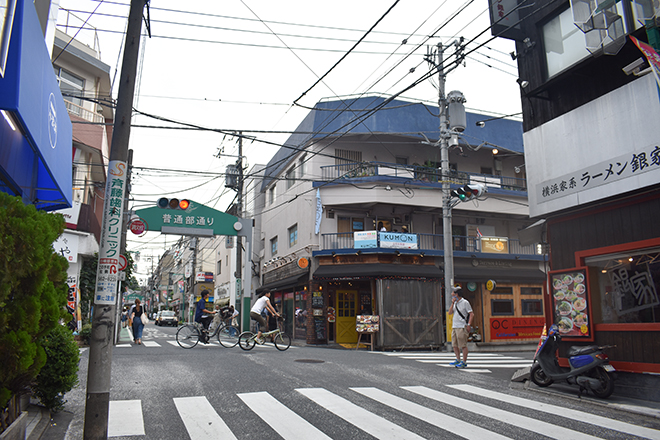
255 312
204 316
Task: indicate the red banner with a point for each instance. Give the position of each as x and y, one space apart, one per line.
516 328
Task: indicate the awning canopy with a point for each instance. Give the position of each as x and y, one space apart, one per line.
532 234
338 271
35 129
284 283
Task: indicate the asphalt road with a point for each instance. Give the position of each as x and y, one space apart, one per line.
161 391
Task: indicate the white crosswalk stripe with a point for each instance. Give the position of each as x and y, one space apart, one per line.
477 362
287 423
202 421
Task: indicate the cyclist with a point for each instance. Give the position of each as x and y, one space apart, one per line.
204 316
255 313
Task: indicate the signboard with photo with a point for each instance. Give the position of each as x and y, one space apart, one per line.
570 303
367 323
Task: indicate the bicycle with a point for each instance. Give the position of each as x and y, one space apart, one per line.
190 335
282 341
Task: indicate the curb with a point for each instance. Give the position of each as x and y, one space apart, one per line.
39 423
628 405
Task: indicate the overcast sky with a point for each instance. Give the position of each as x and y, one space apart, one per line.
240 65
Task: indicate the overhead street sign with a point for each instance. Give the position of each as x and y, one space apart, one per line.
196 219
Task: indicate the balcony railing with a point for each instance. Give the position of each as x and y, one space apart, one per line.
426 242
361 170
82 112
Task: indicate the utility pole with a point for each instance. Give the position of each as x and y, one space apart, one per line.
445 135
105 297
124 229
239 239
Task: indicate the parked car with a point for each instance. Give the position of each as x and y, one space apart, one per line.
167 317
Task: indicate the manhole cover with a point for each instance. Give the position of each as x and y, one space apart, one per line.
310 361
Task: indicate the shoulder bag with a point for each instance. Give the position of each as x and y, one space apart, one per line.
144 317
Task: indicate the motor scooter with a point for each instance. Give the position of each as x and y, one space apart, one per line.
589 366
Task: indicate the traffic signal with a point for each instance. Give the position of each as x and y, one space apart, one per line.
165 203
469 192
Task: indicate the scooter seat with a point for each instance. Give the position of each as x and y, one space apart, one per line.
576 351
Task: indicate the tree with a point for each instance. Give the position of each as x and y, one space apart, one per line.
33 291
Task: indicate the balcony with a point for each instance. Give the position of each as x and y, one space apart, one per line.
432 245
82 112
356 172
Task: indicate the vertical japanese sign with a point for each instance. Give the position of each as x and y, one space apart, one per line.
570 303
113 211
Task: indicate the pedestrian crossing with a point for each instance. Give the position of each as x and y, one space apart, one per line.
477 362
419 412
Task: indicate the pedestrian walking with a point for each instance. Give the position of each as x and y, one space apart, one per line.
461 326
136 317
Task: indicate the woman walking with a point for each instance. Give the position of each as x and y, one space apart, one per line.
136 317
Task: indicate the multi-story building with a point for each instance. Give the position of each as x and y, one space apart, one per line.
592 154
350 222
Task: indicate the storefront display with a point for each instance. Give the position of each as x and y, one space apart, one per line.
570 300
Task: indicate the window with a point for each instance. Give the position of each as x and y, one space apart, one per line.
532 307
301 167
564 43
501 307
271 195
502 291
531 291
401 160
626 286
290 177
273 246
70 84
219 267
487 170
293 235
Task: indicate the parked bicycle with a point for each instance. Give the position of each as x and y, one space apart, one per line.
282 341
190 335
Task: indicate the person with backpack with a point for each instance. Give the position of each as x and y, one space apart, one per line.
461 326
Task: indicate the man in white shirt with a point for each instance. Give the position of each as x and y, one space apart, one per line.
461 326
255 312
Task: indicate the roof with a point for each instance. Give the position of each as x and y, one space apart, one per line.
330 119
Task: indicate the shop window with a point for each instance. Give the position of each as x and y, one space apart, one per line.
502 291
532 307
626 285
501 307
531 291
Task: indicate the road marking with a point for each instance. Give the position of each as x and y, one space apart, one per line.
125 418
451 355
451 358
443 421
372 424
471 370
568 413
490 365
150 344
124 345
528 423
201 420
285 422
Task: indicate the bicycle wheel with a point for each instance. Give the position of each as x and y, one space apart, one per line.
187 336
246 340
228 336
282 341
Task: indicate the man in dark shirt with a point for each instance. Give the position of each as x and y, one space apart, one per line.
204 316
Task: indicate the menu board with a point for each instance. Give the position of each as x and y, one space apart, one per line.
319 328
317 299
570 303
367 323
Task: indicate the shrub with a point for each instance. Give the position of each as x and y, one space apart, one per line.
86 333
60 373
33 291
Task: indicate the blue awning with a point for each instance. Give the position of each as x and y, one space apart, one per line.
35 129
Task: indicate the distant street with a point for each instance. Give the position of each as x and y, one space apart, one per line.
161 391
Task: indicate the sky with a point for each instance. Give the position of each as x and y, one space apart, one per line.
239 65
